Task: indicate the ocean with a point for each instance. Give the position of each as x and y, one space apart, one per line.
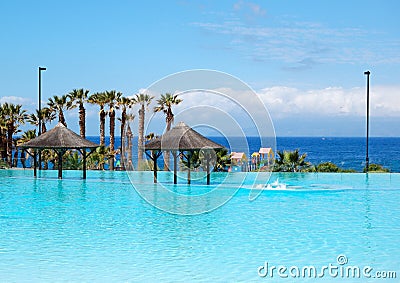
346 152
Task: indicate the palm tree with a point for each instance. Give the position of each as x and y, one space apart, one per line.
16 151
46 116
198 157
99 98
195 161
13 116
144 100
26 136
291 161
77 98
223 159
112 97
71 161
98 158
58 104
124 103
127 163
165 104
3 135
49 156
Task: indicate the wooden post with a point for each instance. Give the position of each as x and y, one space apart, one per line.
208 171
188 162
84 162
40 160
175 154
60 155
34 164
154 157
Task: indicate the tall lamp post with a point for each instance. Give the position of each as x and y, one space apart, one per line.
40 109
367 73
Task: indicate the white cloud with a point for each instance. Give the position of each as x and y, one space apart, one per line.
243 108
16 100
332 101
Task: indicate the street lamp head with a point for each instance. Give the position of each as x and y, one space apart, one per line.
367 73
42 69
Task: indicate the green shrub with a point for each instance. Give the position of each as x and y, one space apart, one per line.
328 167
376 168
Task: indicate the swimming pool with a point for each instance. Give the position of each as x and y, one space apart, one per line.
102 230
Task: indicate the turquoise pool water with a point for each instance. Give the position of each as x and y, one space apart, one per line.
102 230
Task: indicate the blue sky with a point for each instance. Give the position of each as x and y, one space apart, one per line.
305 59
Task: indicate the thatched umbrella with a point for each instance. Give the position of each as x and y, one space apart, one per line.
180 138
60 139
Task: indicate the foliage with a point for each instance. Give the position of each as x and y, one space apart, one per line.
59 104
198 158
112 97
26 136
72 160
165 104
143 99
100 99
49 156
77 98
223 160
124 103
194 158
3 165
11 117
291 161
98 158
45 114
376 168
327 167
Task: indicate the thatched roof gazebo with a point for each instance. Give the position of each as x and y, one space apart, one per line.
60 139
180 139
